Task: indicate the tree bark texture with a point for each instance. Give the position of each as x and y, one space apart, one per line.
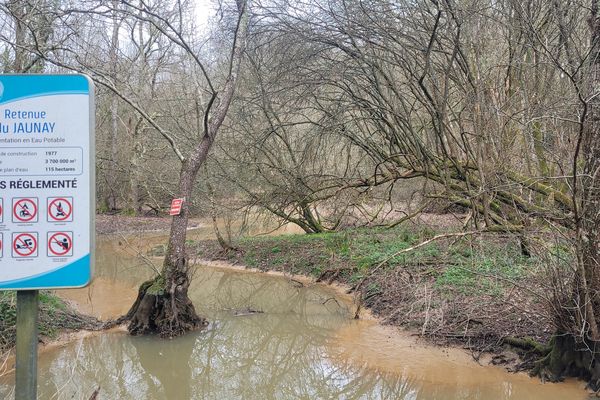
163 305
575 349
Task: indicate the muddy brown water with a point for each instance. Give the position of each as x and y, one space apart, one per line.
302 344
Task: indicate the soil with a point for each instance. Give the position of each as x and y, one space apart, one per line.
478 318
54 319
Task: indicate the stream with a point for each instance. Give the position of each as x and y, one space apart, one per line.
270 337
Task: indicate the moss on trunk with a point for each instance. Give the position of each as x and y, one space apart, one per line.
163 307
570 358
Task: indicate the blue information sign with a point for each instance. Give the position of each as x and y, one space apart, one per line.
46 181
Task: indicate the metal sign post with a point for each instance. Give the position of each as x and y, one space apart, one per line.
27 344
47 198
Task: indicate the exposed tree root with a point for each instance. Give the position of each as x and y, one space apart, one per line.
528 344
563 357
163 309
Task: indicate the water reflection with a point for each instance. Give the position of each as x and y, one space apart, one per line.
301 345
276 360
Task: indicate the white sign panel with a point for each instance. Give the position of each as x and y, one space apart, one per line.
46 181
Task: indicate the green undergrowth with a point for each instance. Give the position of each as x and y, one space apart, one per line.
483 264
486 264
459 288
54 316
357 249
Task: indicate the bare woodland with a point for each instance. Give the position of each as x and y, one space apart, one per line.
334 114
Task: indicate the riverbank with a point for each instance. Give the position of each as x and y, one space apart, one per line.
57 322
55 316
473 291
353 259
298 341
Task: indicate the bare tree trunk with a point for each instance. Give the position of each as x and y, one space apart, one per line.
18 11
135 161
588 221
135 198
163 305
574 348
110 196
135 179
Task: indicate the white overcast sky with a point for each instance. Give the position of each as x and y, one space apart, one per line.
204 10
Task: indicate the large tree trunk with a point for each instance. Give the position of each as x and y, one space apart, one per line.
576 346
110 199
588 220
163 305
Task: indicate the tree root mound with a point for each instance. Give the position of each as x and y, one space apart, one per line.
167 312
568 357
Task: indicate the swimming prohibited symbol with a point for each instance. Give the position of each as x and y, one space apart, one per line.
25 245
25 210
60 244
60 209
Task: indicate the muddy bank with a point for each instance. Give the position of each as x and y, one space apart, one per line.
376 347
55 317
450 370
471 293
301 341
59 323
365 356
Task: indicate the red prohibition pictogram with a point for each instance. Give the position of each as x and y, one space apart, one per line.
1 209
25 245
1 245
25 210
60 209
60 244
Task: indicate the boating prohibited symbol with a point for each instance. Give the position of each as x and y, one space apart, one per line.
24 245
60 209
25 210
60 244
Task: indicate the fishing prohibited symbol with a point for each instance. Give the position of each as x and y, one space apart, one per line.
60 209
25 209
60 244
25 245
